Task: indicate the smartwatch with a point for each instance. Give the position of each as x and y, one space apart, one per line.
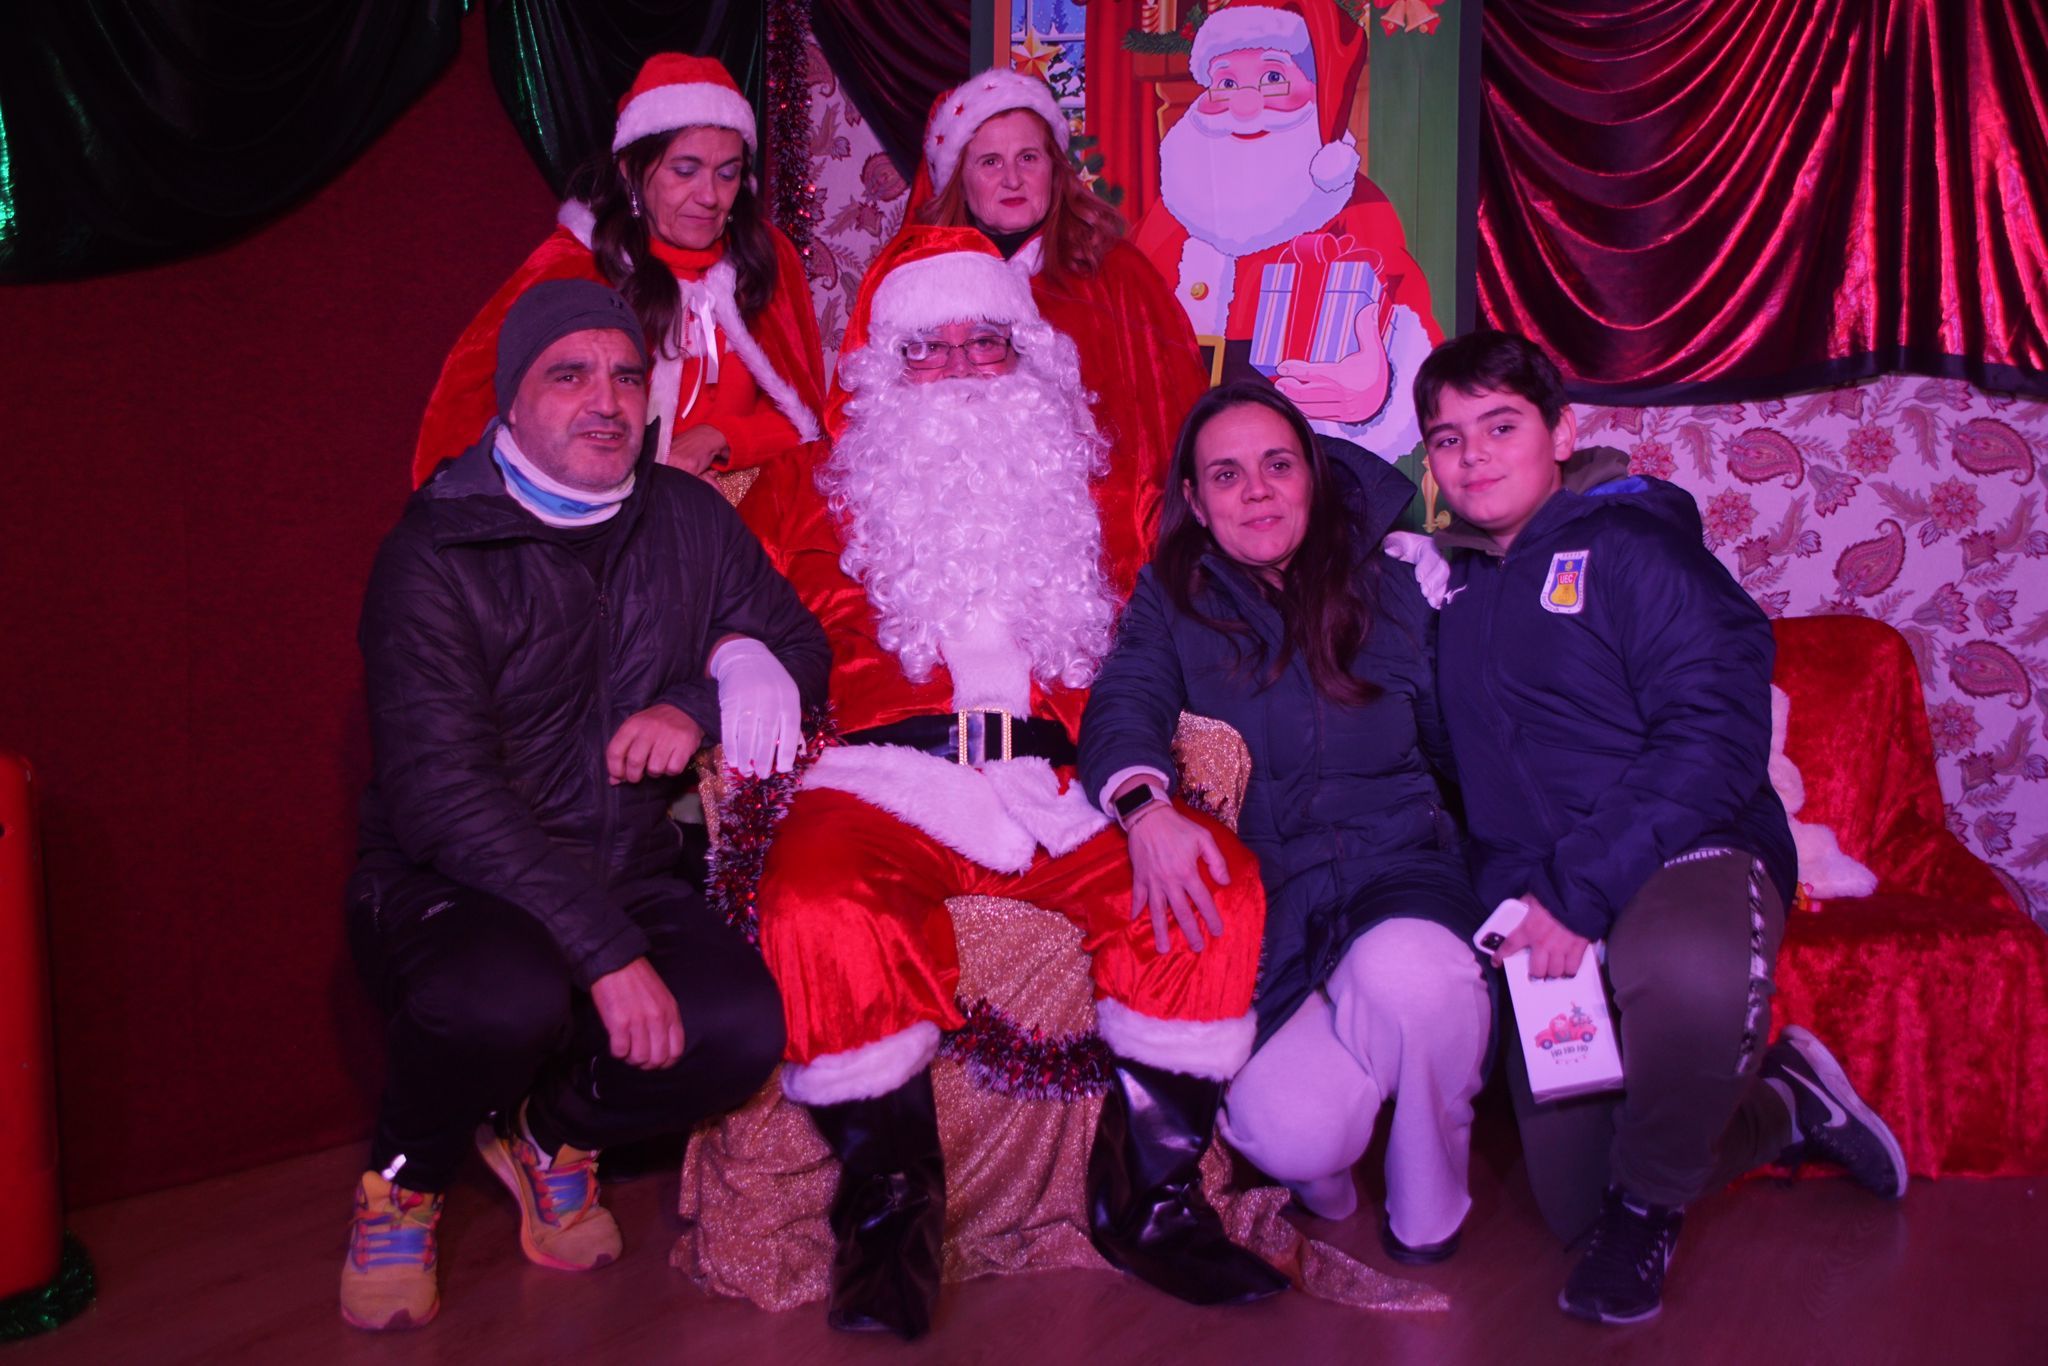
1132 802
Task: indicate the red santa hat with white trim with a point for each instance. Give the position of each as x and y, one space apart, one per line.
1327 44
960 111
675 90
927 277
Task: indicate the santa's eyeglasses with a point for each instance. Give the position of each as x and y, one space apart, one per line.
1268 90
983 348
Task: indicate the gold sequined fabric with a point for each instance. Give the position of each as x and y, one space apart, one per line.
735 483
756 1185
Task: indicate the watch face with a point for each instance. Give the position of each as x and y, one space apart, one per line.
1135 800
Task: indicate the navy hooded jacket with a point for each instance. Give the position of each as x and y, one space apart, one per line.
1606 683
1342 806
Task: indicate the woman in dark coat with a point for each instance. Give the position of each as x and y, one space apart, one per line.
1270 606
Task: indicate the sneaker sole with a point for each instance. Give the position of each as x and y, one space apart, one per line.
505 1168
398 1322
1816 1055
1597 1316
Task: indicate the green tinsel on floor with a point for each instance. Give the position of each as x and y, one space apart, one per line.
38 1311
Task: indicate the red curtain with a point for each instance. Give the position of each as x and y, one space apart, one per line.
1717 201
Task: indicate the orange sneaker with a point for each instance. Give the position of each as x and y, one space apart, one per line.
388 1279
561 1225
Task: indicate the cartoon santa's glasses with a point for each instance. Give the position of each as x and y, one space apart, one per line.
1267 90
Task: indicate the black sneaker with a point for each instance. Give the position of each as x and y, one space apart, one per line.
1835 1125
1621 1277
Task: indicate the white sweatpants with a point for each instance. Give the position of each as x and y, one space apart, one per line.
1406 1017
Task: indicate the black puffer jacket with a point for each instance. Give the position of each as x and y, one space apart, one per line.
498 666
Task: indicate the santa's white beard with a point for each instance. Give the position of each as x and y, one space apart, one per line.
966 502
1242 197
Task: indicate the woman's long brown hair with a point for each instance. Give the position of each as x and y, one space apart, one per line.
1323 614
620 240
1079 228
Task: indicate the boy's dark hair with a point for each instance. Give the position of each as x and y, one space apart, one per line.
1505 362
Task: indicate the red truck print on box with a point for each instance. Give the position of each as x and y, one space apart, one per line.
1576 1027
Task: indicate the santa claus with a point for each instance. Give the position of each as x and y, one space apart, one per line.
950 543
1272 239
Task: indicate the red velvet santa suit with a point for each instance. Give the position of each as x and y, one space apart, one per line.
770 376
852 896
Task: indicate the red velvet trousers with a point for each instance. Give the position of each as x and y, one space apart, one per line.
855 929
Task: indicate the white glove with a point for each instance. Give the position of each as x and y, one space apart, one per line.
1432 570
759 713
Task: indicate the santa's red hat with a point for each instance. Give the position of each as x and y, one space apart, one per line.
675 90
960 111
1322 40
927 277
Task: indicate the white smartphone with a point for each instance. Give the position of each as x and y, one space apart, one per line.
1502 923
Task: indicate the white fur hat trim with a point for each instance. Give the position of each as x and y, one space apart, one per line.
667 108
1247 26
974 102
955 286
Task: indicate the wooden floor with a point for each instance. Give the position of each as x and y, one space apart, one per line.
244 1268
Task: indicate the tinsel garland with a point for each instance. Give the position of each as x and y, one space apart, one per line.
1012 1060
998 1054
748 812
53 1305
794 199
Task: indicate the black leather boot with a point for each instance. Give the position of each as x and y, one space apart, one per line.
1146 1210
890 1213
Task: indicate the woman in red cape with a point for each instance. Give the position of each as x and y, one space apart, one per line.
675 224
995 158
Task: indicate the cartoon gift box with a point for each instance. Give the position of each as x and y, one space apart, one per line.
1309 300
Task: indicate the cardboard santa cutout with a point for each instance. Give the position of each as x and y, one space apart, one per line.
1277 247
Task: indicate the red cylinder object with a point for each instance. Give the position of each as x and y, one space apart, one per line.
30 1235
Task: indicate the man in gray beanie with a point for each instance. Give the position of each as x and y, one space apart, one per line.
551 632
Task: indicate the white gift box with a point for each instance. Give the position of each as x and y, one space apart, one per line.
1564 1024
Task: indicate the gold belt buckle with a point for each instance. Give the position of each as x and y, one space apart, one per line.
960 728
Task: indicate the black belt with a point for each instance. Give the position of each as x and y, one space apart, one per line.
974 737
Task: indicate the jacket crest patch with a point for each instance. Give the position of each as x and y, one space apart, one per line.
1564 588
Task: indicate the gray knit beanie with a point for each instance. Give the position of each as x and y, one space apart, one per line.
550 311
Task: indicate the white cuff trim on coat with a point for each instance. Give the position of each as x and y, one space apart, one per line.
1215 1049
873 1069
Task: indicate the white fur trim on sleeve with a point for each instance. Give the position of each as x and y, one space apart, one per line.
1215 1049
668 108
873 1069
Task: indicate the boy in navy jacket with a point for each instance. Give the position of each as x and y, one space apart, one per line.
1607 688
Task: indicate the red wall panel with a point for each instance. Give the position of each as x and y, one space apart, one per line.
196 465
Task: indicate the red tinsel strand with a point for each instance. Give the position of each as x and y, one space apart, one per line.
794 199
1004 1057
747 816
